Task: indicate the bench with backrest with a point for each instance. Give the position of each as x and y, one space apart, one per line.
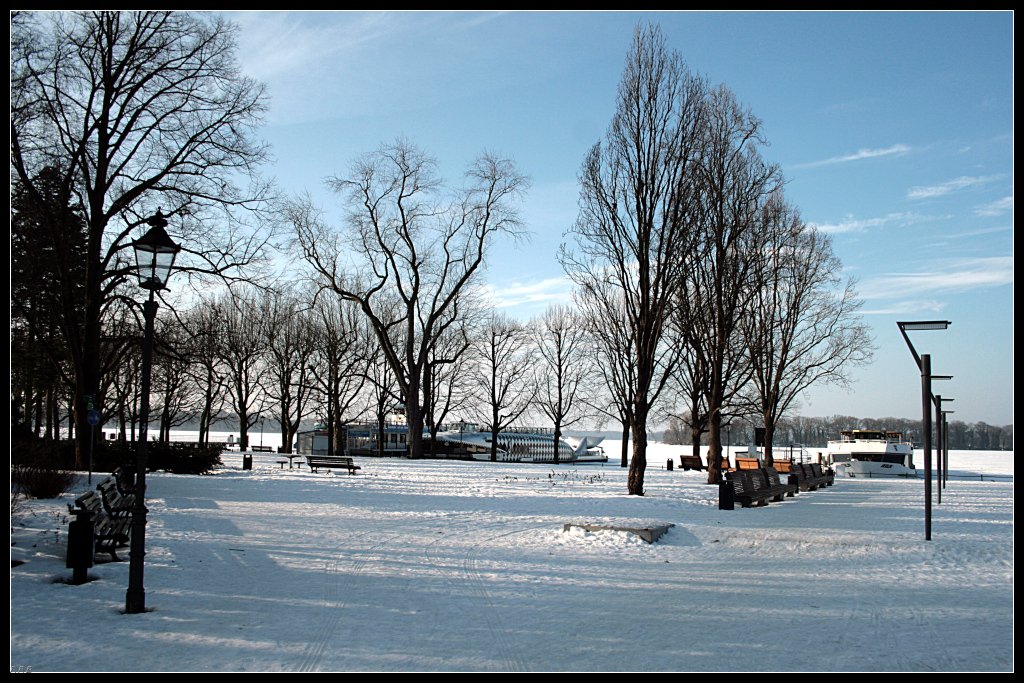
783 466
747 463
807 478
261 449
114 503
827 475
775 481
691 462
332 462
749 488
108 532
125 481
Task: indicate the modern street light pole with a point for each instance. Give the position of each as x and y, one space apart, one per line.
945 443
926 431
154 253
941 446
924 364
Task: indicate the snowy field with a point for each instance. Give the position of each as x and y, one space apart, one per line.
453 566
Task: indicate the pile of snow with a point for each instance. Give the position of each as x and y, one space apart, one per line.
453 566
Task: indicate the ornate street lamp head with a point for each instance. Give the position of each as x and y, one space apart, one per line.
155 253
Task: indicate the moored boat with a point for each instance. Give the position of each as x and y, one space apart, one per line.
871 453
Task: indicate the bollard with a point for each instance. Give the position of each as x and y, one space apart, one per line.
726 496
81 546
247 461
669 467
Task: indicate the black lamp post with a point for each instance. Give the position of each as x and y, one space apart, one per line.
945 444
940 439
154 255
924 364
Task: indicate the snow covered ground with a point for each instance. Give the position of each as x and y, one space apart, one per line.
435 565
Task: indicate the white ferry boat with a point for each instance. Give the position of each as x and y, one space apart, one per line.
871 453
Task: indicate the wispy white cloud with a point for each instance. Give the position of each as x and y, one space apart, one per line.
851 224
956 276
276 44
893 150
963 182
916 306
520 294
981 231
996 208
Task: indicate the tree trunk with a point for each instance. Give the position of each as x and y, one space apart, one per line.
638 465
625 445
769 436
414 416
243 429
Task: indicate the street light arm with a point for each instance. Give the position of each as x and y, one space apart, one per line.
913 351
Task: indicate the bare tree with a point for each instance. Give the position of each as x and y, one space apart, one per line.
244 332
734 184
603 312
135 110
384 393
802 326
413 244
503 374
177 400
204 328
338 368
445 380
635 227
563 377
290 344
693 379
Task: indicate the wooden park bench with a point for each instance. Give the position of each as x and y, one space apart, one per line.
114 503
748 488
783 466
108 532
806 477
827 475
691 462
125 481
747 463
261 449
332 462
775 481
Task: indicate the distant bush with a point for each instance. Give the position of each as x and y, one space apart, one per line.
177 458
183 458
40 468
36 481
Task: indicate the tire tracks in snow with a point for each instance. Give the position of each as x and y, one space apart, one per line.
458 564
496 627
334 598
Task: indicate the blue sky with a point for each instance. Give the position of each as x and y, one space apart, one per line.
894 131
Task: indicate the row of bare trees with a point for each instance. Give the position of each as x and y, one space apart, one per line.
700 291
290 356
114 115
707 292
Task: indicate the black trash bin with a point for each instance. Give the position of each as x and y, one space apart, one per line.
81 545
247 461
726 496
